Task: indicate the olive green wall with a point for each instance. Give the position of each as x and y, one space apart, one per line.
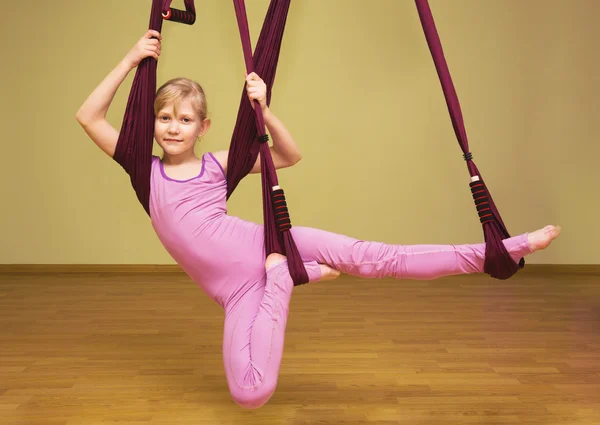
356 86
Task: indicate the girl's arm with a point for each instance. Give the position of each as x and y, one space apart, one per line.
285 152
92 114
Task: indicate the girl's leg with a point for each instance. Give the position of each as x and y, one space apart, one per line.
253 339
379 260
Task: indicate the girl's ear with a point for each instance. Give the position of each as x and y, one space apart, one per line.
205 127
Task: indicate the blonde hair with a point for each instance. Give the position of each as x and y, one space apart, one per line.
178 89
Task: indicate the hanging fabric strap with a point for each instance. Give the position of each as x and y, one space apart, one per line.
134 146
250 138
498 262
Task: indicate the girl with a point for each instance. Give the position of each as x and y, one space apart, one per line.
224 254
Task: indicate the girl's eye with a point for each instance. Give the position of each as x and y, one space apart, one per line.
186 120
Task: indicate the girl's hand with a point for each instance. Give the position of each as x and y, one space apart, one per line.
257 90
145 47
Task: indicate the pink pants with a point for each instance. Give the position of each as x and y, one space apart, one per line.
255 321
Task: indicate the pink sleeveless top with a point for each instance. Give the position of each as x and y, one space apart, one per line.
218 252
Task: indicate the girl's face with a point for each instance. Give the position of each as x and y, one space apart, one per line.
177 129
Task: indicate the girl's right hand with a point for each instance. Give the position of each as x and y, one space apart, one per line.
145 47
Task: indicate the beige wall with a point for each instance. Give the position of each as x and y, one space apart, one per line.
357 87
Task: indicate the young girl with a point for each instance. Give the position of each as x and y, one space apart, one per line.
224 254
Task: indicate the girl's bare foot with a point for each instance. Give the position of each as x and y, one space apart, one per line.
540 239
273 260
327 273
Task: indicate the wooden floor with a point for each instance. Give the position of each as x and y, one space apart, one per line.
134 348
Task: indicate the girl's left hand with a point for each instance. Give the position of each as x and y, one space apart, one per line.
257 90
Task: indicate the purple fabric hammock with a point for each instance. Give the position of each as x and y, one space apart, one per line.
498 262
250 138
134 147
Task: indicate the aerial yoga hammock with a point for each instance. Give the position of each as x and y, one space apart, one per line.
249 138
